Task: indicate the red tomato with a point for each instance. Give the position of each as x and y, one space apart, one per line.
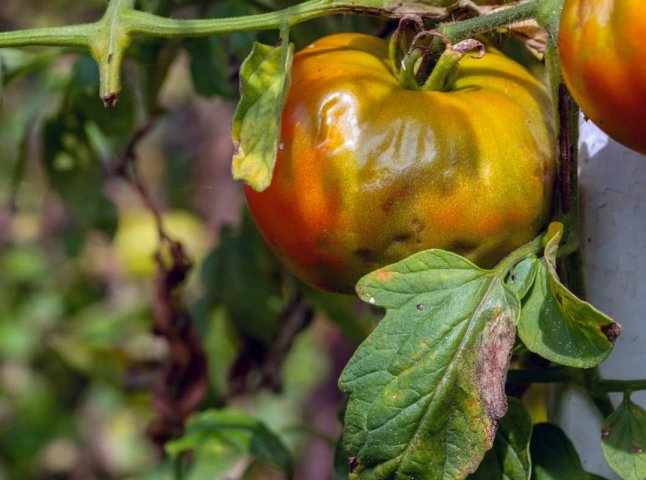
602 48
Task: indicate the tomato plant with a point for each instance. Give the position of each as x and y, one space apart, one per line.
369 172
391 160
601 50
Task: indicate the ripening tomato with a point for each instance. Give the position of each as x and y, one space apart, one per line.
369 173
602 52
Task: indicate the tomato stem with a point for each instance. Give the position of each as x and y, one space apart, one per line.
108 38
457 31
445 71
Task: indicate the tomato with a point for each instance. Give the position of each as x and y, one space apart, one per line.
602 50
369 173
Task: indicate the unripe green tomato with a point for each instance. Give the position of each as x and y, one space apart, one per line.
369 173
602 50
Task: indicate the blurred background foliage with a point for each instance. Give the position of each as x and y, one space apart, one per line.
80 361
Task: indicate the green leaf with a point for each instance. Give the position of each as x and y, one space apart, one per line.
75 173
117 124
239 43
264 81
509 457
221 347
557 325
240 276
16 62
522 276
427 386
209 66
553 455
624 440
217 437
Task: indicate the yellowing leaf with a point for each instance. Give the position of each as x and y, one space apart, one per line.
264 83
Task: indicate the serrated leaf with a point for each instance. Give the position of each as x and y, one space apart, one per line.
217 437
426 388
264 81
521 277
557 325
624 440
509 457
553 455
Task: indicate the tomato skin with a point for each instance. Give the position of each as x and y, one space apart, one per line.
602 50
369 173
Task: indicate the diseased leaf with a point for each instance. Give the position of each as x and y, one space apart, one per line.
427 386
624 440
264 81
509 457
557 325
218 438
553 455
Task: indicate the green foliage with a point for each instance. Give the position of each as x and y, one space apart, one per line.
509 458
210 68
241 276
624 440
427 386
256 124
522 276
219 438
557 325
79 363
554 456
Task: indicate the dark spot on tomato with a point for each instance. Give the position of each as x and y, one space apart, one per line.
366 254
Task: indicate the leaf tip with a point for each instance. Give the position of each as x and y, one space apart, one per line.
612 331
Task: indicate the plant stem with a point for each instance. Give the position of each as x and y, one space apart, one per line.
600 397
588 377
622 385
443 72
66 36
138 22
459 31
108 38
